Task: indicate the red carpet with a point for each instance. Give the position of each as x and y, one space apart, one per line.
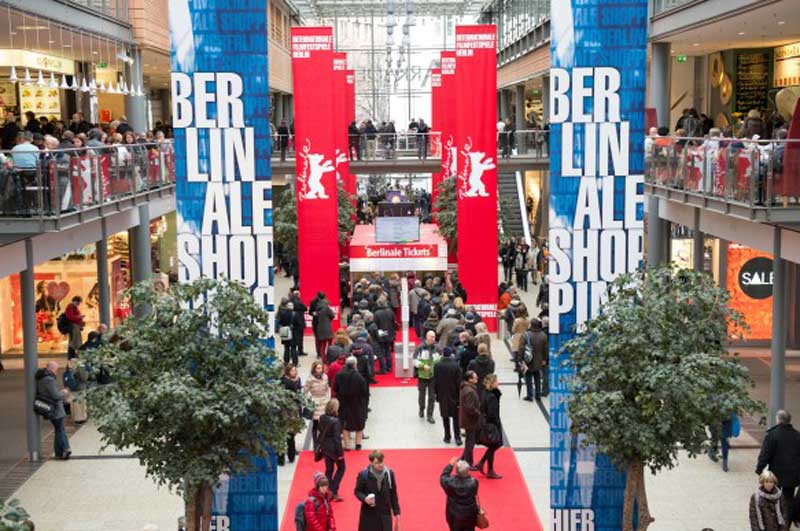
422 501
390 380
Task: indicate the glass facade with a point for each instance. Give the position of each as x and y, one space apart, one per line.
113 8
660 6
515 19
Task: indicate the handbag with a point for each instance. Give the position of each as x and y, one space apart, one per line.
285 333
481 519
44 407
489 435
318 455
736 426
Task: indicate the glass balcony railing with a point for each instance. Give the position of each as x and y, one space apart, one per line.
755 173
50 184
113 8
660 6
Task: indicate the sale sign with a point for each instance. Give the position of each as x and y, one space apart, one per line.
318 161
597 93
476 185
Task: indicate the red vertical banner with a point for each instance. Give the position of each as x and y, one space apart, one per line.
350 107
436 125
315 140
340 113
447 115
476 187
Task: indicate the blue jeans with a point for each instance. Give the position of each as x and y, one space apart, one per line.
60 441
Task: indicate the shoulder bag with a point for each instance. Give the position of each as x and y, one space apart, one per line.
481 519
318 455
44 407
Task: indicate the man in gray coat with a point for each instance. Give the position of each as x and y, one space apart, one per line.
47 389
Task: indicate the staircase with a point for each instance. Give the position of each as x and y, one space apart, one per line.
508 198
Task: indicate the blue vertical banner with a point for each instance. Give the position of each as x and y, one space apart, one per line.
597 101
220 110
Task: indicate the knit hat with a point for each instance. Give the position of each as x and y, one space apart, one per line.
447 352
320 479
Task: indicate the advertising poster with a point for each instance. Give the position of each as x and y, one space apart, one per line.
220 107
476 188
318 162
342 119
597 104
750 281
448 103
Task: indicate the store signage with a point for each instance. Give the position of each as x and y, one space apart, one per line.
756 278
39 61
680 58
476 145
787 65
224 186
596 220
318 161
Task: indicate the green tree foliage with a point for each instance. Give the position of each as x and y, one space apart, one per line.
195 391
652 374
12 516
446 215
284 218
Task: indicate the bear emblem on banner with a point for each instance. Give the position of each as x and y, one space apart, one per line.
449 157
471 176
314 167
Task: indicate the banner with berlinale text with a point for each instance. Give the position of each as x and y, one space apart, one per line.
350 112
318 160
341 114
224 186
436 122
597 103
448 103
476 187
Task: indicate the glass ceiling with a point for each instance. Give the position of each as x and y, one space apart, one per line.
311 9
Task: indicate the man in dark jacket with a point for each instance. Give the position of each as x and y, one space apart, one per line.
446 382
462 492
10 131
283 138
376 489
384 320
532 357
781 453
482 365
352 391
469 414
46 389
298 324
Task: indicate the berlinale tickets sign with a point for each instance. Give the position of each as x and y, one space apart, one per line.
597 93
220 107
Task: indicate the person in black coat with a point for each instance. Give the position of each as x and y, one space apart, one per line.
462 496
352 391
781 453
298 325
283 144
483 365
531 358
291 382
285 317
376 489
490 414
447 378
329 435
467 350
384 320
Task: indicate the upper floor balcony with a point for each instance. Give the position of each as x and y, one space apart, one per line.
117 9
757 180
50 190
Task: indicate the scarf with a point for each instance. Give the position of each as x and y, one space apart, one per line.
378 476
769 496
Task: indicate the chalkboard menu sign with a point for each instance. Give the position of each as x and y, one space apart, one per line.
752 80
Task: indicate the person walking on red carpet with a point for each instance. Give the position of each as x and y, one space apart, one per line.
352 391
491 430
318 507
462 496
330 441
425 357
447 381
469 413
376 489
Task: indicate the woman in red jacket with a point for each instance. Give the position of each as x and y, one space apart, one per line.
319 509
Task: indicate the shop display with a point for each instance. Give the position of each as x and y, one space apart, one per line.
8 95
750 286
43 101
725 90
717 69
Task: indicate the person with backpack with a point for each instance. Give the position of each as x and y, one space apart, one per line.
483 365
376 489
316 512
425 358
330 443
531 357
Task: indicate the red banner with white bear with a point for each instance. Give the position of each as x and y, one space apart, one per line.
476 146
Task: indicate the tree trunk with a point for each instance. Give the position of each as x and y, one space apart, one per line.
645 518
193 510
206 506
631 491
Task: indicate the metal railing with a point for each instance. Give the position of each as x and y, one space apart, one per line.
661 6
408 145
756 173
52 183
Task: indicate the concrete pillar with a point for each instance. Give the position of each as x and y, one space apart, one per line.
104 298
698 245
499 104
140 246
290 109
166 105
722 260
656 233
505 108
519 114
777 377
279 112
31 353
659 81
545 101
136 106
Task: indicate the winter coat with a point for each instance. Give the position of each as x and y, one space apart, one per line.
299 321
394 293
324 317
490 408
482 365
424 310
362 351
379 517
431 324
384 320
352 392
333 370
486 339
319 390
446 382
462 503
539 346
425 357
767 506
781 451
285 317
332 354
446 326
468 353
46 388
329 436
469 407
414 296
319 511
518 330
